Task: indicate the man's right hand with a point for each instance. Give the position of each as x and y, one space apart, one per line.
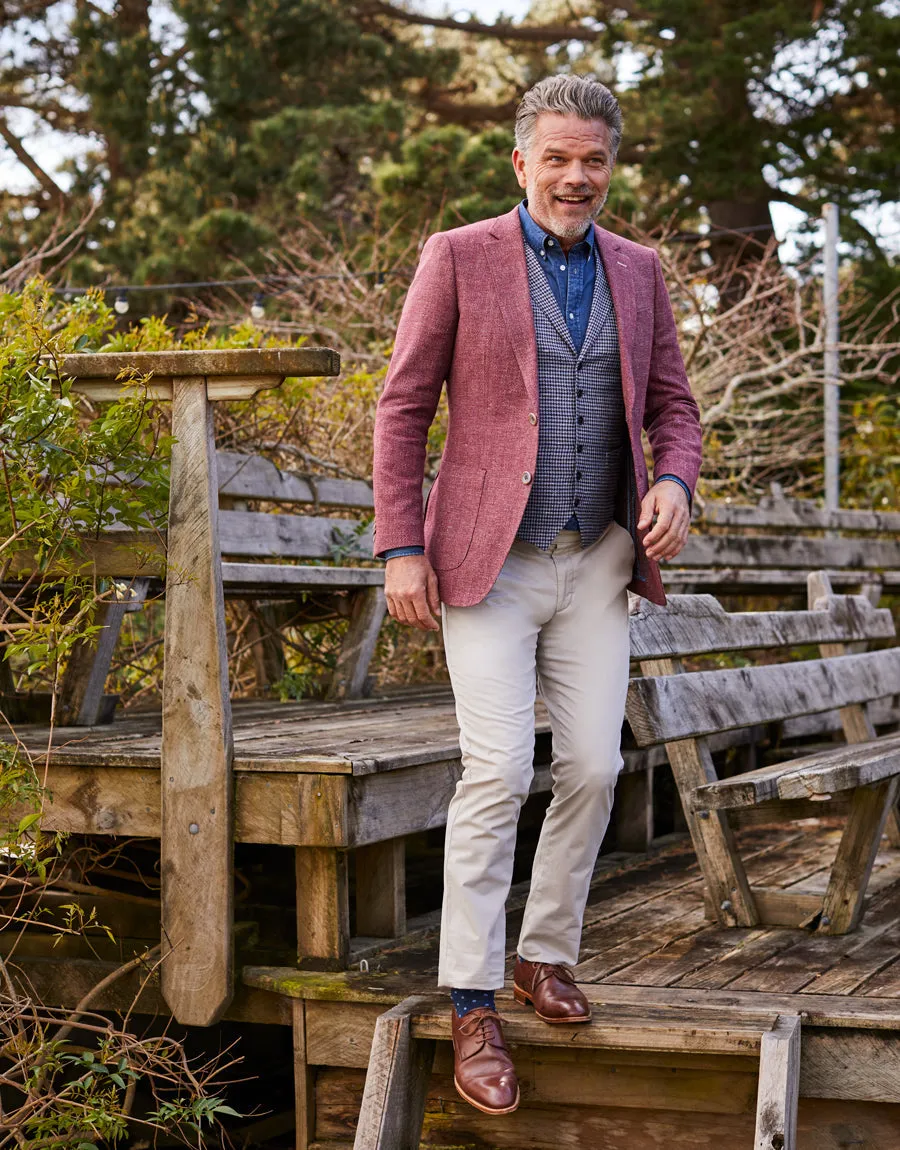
411 590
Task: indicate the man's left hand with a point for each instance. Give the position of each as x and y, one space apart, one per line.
669 504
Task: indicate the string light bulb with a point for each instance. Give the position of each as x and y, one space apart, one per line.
121 303
258 307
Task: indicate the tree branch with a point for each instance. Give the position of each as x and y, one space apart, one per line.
502 30
43 178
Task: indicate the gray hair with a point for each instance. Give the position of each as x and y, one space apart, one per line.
568 96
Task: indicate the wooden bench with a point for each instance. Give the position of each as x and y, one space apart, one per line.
682 710
769 548
260 549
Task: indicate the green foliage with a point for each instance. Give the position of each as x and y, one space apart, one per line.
57 458
870 457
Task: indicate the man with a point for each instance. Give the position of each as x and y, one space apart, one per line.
557 344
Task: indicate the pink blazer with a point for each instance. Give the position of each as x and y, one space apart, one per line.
467 321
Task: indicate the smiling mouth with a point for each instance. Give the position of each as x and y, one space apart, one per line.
573 199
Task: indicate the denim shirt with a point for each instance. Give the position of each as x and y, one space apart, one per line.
571 276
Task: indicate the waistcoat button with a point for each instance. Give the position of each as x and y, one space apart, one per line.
532 418
526 476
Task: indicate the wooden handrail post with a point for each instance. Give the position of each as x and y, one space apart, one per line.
197 832
197 815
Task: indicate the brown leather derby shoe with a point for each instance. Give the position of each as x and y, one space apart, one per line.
551 990
482 1068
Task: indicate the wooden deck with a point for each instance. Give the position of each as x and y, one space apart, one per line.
649 953
648 956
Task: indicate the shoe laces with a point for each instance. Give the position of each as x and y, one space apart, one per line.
559 969
487 1024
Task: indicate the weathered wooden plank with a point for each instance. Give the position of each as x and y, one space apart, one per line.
323 907
697 624
393 1102
197 746
796 513
255 477
619 1028
81 690
255 579
340 1033
815 776
851 1065
633 811
664 708
779 1086
304 1079
843 903
281 361
381 889
739 580
786 907
823 1124
788 551
861 1066
713 838
245 534
873 1013
400 802
875 951
358 646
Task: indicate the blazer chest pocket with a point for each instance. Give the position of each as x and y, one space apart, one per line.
451 513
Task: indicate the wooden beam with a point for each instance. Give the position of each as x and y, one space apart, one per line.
81 691
358 647
197 364
381 889
323 908
304 1080
842 906
633 811
779 1086
711 834
393 1104
197 825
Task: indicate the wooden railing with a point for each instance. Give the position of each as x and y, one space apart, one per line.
197 834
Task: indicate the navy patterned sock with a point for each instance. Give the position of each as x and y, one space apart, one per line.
466 1000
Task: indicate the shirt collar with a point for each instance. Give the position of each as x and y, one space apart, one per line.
540 240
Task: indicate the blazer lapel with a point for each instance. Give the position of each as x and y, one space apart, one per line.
620 277
505 257
601 306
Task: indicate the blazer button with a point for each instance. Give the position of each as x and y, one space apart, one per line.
526 476
532 418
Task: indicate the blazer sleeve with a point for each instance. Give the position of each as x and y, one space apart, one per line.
423 353
671 415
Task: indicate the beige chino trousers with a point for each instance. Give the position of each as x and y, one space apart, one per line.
557 619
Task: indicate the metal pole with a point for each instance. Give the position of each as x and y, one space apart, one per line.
832 368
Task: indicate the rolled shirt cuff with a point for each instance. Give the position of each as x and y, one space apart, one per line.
680 482
396 552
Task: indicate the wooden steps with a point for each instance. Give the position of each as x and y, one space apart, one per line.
403 1050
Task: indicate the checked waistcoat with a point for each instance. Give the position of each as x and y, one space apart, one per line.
580 394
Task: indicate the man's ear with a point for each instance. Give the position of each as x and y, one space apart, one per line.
518 161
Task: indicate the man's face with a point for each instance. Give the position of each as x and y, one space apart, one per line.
565 173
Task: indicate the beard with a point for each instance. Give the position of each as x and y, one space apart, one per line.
567 227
